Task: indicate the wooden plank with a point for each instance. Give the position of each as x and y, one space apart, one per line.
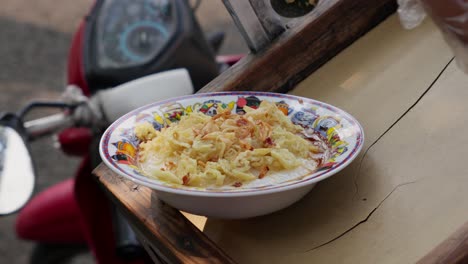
248 24
269 20
256 21
305 46
173 238
453 250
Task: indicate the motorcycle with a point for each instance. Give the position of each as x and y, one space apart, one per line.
124 54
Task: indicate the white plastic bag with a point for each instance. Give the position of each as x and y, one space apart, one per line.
451 16
411 13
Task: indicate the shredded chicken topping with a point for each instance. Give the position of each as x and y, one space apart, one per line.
226 149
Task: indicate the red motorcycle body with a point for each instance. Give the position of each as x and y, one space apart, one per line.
75 210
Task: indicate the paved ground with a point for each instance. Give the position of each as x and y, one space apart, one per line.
34 41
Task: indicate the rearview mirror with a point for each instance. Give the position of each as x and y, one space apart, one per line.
16 171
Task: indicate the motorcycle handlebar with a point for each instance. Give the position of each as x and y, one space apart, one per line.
47 125
108 105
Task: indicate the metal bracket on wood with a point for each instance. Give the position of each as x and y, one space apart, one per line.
256 20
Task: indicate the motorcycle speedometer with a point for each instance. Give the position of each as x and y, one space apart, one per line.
128 39
131 33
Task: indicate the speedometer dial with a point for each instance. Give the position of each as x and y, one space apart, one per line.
133 32
139 41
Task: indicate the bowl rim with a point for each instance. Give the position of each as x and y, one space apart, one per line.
152 184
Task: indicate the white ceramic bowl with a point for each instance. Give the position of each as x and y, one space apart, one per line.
343 133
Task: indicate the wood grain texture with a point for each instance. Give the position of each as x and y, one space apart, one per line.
304 47
167 234
453 250
268 18
248 24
